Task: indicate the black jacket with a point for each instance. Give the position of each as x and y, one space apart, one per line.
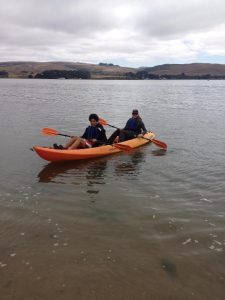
135 125
97 133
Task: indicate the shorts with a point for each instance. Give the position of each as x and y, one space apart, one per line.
88 143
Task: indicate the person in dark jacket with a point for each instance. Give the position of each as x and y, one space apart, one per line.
133 128
93 136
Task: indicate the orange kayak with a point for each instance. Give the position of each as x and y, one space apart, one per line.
50 154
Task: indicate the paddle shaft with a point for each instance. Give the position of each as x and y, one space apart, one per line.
124 129
147 139
154 141
52 131
66 135
113 126
100 142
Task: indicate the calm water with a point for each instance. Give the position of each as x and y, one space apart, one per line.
145 225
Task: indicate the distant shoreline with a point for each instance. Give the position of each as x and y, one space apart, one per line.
106 79
108 71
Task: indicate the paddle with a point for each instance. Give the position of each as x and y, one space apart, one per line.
52 131
156 142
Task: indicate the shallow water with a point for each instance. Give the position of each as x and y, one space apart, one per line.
144 225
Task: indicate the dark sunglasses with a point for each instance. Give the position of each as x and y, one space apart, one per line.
134 113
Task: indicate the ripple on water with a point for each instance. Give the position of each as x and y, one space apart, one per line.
161 214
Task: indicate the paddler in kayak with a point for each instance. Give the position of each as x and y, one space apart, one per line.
93 136
133 128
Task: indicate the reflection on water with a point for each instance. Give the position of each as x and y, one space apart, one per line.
75 172
159 152
91 175
131 165
93 171
59 172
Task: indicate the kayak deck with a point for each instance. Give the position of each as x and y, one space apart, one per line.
53 155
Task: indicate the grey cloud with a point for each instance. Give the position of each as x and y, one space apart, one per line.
179 17
66 16
97 30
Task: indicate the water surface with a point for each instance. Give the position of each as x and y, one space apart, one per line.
145 225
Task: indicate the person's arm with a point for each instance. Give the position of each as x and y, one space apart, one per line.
102 135
102 129
143 128
126 126
84 136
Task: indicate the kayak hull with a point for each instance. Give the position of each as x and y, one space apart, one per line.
54 155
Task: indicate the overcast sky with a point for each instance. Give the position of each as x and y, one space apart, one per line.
128 33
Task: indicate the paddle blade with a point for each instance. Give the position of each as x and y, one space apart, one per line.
49 131
102 121
125 148
159 143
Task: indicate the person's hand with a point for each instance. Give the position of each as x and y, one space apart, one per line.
140 135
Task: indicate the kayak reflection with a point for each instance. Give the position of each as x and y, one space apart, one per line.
92 172
74 172
159 152
130 165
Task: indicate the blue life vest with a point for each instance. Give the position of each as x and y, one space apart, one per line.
131 124
92 132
